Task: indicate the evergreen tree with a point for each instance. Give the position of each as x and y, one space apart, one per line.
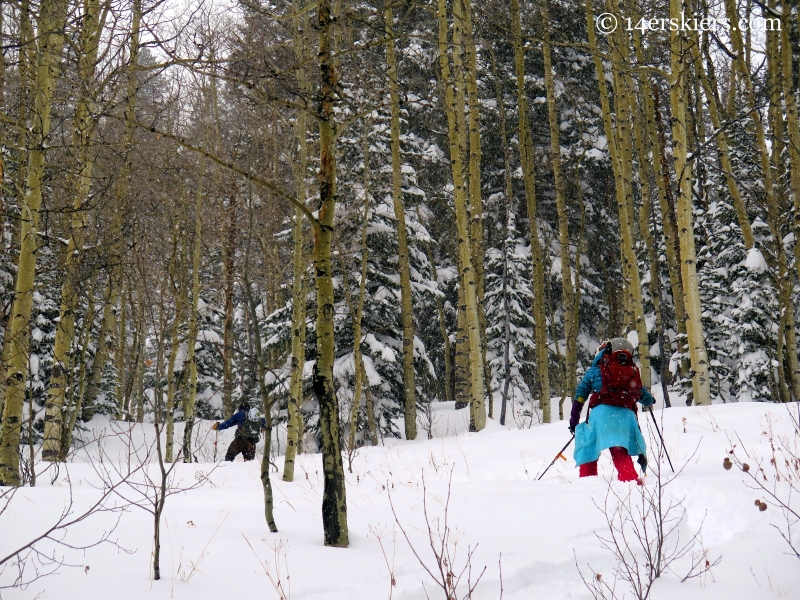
508 290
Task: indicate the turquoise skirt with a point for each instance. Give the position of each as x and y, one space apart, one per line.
607 427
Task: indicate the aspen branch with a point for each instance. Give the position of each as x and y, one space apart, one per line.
280 193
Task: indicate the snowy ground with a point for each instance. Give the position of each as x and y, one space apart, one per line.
540 527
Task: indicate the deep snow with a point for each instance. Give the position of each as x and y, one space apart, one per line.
540 527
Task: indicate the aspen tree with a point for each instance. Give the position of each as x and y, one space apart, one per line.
460 130
111 338
228 267
474 173
666 204
50 41
137 390
406 308
177 271
775 209
334 506
73 404
712 102
623 98
3 244
792 120
191 360
294 424
334 503
644 144
462 380
537 253
357 312
568 295
679 91
26 59
261 374
508 193
119 361
26 72
465 262
92 23
448 375
783 281
793 131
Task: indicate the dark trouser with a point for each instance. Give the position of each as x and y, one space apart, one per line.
245 446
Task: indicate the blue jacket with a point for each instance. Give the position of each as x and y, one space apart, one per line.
593 382
238 420
607 426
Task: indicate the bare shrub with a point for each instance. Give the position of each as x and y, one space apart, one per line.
451 573
46 553
776 479
378 533
644 535
276 569
428 419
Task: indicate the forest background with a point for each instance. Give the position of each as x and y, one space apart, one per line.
200 206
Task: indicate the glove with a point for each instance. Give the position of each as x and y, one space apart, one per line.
215 426
642 460
575 415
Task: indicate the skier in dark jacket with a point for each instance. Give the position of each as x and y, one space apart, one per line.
248 427
613 386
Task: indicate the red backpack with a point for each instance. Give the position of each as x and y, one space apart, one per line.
622 383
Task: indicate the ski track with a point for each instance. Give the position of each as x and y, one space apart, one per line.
539 527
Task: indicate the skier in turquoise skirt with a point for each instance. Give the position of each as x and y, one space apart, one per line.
613 386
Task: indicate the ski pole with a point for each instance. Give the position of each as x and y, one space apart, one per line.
559 455
658 431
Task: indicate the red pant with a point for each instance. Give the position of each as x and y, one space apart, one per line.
622 461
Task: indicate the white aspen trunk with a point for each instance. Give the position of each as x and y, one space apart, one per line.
191 361
467 276
679 91
537 253
51 22
406 305
92 22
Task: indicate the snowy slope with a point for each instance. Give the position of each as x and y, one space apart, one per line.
540 527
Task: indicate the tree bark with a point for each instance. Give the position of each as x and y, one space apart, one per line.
623 88
679 92
191 360
454 108
537 254
567 292
92 22
712 102
448 375
51 23
294 425
783 281
357 313
793 131
666 206
228 261
406 304
334 502
113 342
474 171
